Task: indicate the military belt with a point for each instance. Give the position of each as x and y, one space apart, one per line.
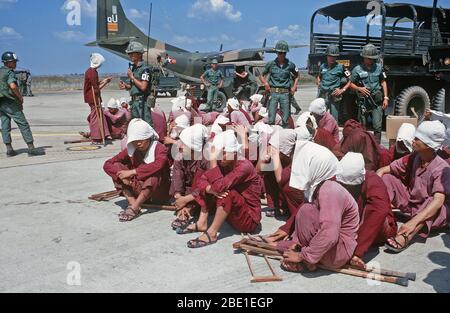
280 90
138 98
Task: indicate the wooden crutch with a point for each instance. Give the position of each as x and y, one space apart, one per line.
99 114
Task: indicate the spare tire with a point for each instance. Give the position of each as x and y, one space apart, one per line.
438 103
413 97
221 102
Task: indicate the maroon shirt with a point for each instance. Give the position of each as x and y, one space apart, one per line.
242 178
184 175
91 80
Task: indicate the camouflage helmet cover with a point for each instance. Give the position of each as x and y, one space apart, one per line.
135 47
282 46
332 50
370 52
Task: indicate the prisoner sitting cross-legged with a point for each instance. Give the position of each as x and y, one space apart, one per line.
141 171
326 227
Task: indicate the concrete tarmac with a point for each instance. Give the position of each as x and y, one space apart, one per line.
53 239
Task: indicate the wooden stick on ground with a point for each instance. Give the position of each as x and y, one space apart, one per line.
76 141
410 276
253 247
363 274
159 207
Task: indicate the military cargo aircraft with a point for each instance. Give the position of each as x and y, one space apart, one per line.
115 31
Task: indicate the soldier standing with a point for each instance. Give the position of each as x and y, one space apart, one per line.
331 77
280 84
11 107
369 81
213 80
138 83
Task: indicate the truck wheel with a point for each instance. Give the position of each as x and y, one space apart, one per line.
439 101
174 93
413 97
221 102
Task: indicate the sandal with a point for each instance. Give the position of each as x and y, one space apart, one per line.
128 215
402 247
179 223
197 243
185 230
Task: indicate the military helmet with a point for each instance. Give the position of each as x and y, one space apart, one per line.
214 61
282 46
332 50
9 56
135 47
370 52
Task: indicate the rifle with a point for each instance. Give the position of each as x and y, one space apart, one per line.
369 103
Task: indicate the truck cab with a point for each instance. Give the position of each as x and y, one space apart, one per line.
405 34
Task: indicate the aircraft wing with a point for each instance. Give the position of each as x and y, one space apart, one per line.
244 54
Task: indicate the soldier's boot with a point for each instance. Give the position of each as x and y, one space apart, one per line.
10 151
32 151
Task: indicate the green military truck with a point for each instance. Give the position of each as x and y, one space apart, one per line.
413 40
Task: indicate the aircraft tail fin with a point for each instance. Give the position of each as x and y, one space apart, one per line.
114 28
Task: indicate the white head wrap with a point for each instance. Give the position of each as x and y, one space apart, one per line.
257 98
353 169
318 106
304 118
181 104
194 136
141 130
234 104
227 141
312 165
284 140
263 112
97 60
445 119
303 133
406 134
220 120
112 104
432 134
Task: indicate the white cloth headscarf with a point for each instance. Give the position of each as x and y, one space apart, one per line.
181 104
227 141
284 140
257 98
97 60
262 127
432 134
312 165
303 133
445 119
304 118
353 169
123 100
263 112
220 120
318 106
112 104
406 134
234 104
141 130
194 136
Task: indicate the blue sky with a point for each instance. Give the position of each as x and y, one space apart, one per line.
38 31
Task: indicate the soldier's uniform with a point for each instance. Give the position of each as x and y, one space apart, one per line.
11 109
140 108
280 81
332 78
371 79
245 87
213 78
